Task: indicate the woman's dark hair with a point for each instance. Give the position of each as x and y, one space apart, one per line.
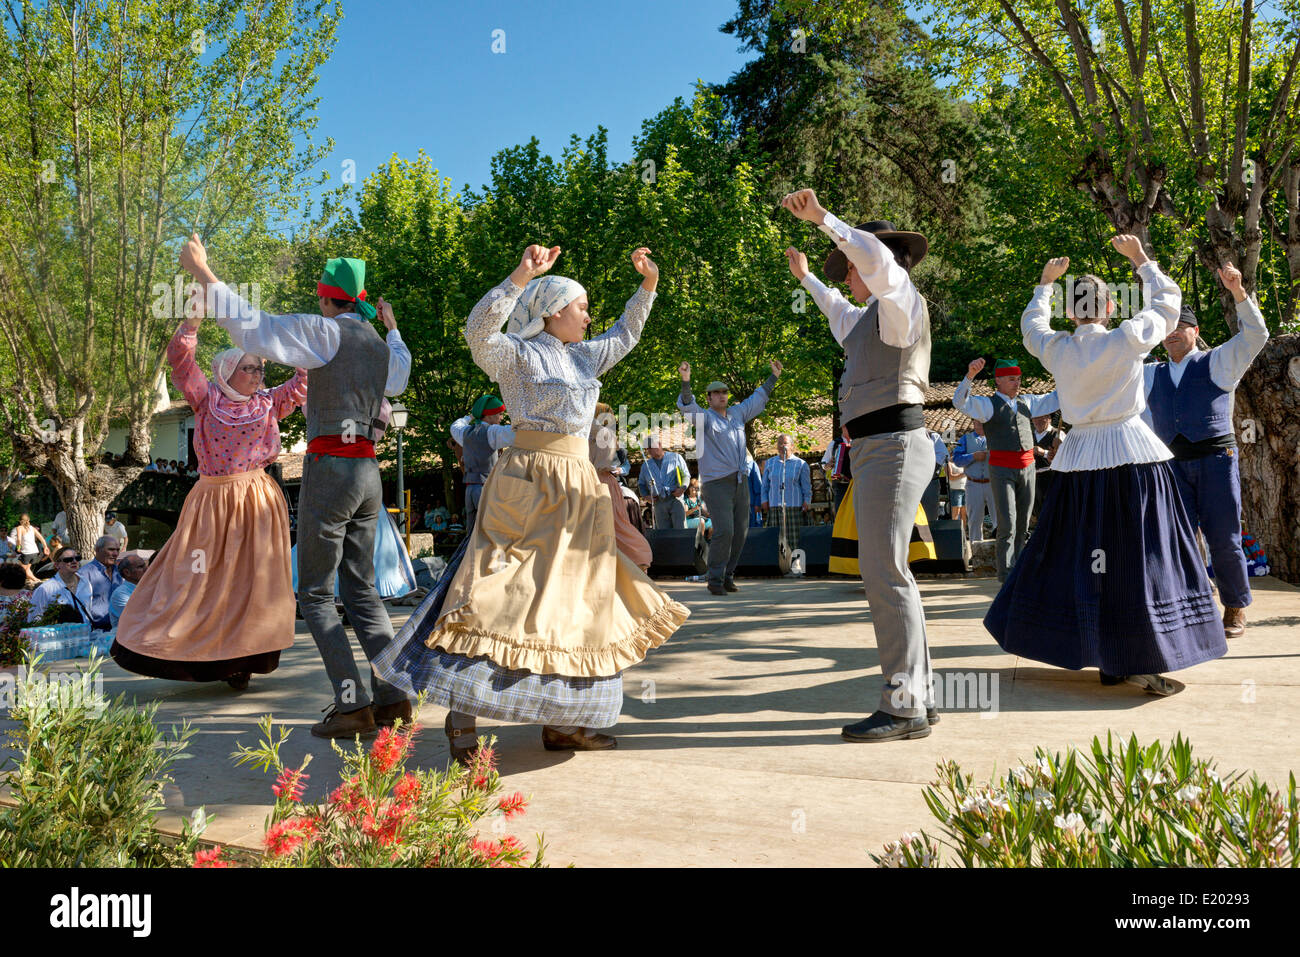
13 576
346 305
58 556
1089 297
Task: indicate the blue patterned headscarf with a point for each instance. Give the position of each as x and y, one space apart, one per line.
542 297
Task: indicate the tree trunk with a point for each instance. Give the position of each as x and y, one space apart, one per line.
1267 409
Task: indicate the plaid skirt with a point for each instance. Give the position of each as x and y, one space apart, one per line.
789 520
480 687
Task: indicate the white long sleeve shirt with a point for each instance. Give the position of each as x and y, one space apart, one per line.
498 436
900 318
1098 374
981 408
298 339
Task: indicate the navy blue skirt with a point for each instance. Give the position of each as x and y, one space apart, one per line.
1111 578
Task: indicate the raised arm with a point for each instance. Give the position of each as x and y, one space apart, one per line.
399 357
841 314
289 395
753 406
1036 321
1161 295
603 352
186 374
900 311
686 399
978 407
1229 362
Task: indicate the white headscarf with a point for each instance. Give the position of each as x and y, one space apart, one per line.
223 367
542 297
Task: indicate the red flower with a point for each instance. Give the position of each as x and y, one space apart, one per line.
210 858
346 796
287 836
513 805
290 784
384 828
512 843
407 790
486 850
390 747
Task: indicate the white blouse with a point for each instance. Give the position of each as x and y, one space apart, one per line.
549 386
1098 374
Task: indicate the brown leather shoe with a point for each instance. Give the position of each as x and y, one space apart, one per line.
387 714
584 739
345 724
1234 622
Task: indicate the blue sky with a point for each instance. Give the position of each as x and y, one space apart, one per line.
407 75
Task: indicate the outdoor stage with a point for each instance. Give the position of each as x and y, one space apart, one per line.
729 748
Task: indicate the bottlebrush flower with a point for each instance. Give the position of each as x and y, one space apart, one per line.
407 790
287 836
290 784
486 850
210 858
390 747
513 805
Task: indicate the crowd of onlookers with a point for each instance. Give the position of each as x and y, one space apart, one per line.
49 572
173 467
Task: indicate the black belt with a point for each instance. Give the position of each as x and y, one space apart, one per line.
1184 448
893 418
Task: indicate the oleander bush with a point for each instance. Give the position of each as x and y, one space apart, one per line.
88 777
381 814
1122 805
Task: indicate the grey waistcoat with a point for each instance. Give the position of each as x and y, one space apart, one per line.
877 375
1009 430
344 395
477 454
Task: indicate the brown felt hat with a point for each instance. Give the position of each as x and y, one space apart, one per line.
837 264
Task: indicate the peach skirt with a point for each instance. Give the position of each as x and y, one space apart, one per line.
630 541
543 586
221 586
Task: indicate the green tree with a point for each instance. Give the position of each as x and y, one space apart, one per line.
1177 121
125 126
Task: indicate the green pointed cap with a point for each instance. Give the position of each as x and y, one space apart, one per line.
345 278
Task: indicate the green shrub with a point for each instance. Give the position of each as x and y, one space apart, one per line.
88 778
1121 806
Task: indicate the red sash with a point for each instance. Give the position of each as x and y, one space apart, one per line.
1012 460
334 445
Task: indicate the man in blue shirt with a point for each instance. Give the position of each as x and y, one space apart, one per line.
663 479
971 453
103 577
132 568
720 440
787 491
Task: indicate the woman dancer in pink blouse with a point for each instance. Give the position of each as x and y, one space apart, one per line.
217 602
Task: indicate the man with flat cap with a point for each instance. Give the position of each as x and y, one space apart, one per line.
724 469
886 344
1189 406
